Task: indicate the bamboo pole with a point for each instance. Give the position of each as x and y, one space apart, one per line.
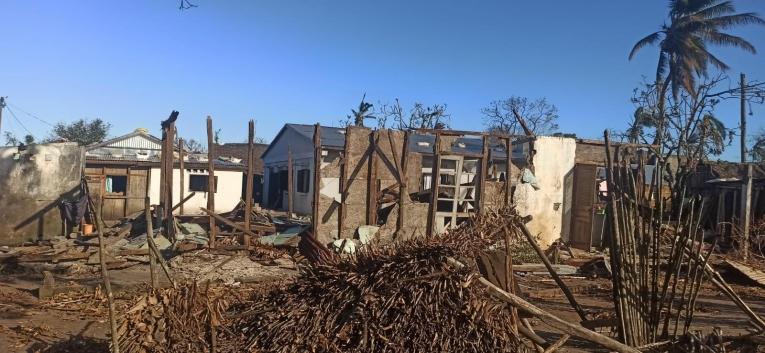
550 319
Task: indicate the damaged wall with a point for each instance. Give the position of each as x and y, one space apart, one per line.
32 183
555 157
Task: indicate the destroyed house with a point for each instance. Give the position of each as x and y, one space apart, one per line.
123 171
363 172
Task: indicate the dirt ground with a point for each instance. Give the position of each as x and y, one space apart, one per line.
76 319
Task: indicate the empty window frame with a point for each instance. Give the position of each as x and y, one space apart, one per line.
198 182
116 184
303 180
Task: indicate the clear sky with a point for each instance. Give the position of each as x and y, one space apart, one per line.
132 62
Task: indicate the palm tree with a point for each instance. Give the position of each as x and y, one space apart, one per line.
683 53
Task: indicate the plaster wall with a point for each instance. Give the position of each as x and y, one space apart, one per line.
32 183
227 195
555 157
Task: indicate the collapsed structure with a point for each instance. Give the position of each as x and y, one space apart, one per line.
385 178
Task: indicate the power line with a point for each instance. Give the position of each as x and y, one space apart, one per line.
31 115
18 121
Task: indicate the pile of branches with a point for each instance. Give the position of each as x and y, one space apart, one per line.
173 320
398 298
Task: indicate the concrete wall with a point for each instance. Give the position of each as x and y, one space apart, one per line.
227 195
32 183
555 157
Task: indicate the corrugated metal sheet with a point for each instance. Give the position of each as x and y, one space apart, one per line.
136 142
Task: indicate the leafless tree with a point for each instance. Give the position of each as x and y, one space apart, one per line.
420 116
691 133
540 116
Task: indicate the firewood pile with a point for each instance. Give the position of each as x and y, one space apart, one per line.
398 298
173 320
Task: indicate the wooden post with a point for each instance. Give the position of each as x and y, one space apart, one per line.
434 180
743 118
553 274
403 191
509 152
372 180
105 273
316 179
481 194
181 175
248 189
290 182
343 175
510 278
150 233
169 224
746 210
211 180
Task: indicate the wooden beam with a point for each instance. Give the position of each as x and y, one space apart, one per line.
290 182
229 223
403 192
250 179
211 180
343 192
559 343
484 171
434 179
508 162
746 207
181 175
180 203
372 180
150 233
316 179
550 319
553 274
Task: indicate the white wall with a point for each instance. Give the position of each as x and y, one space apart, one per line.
228 194
555 157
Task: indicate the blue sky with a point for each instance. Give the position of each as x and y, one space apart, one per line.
132 62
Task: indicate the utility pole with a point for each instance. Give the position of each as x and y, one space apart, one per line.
743 118
2 106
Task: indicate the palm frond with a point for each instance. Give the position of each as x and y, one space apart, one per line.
722 8
725 22
728 40
647 40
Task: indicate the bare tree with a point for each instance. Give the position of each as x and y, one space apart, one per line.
12 140
690 131
420 116
358 115
501 116
194 146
